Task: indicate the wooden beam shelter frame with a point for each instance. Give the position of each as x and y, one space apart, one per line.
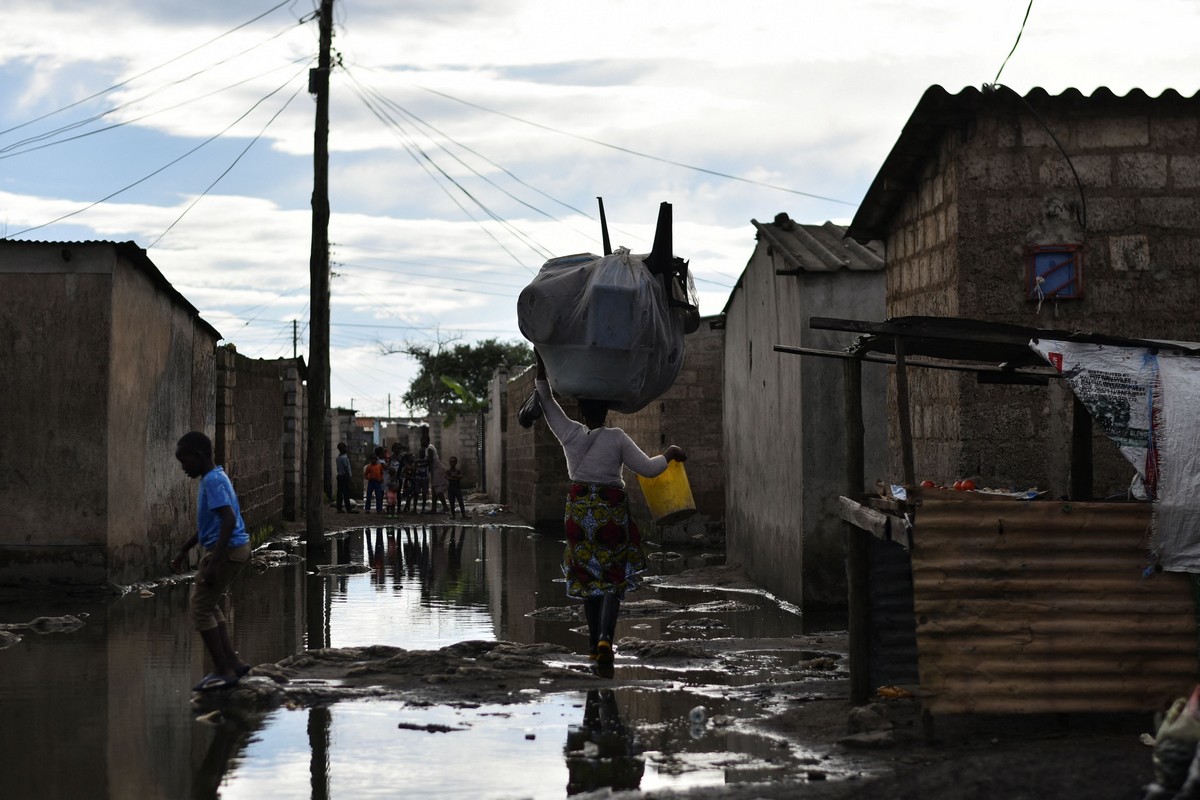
996 353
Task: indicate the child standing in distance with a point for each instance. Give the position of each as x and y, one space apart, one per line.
421 481
454 492
373 474
343 480
222 534
408 483
392 497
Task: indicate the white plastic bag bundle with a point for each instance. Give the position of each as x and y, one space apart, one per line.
605 327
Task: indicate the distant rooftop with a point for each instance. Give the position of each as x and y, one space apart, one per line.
814 248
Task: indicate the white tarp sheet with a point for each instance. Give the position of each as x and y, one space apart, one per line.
1149 405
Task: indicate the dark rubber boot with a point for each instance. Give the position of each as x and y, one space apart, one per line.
610 607
591 610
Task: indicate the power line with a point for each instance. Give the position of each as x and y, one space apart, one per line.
144 73
245 150
414 150
416 327
169 164
80 123
480 175
1028 8
635 152
387 271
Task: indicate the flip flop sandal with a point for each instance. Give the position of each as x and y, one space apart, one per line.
213 681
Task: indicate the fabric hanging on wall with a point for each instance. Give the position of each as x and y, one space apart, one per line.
1115 385
1149 405
1177 507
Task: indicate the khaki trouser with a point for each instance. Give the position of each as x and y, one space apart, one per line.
205 602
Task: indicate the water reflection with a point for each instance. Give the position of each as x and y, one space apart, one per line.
104 711
603 751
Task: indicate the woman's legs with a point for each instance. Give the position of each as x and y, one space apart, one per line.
609 608
591 609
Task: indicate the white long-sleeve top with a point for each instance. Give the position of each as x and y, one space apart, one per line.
595 456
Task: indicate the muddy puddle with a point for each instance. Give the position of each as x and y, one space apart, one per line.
105 711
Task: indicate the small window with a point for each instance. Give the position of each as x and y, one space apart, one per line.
1054 271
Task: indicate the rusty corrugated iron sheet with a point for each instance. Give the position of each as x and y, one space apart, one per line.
1033 607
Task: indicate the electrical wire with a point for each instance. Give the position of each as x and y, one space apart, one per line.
417 154
80 123
406 284
395 272
636 152
1028 8
132 120
420 122
245 150
996 86
144 73
461 207
169 164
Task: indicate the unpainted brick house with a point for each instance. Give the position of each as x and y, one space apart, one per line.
1065 211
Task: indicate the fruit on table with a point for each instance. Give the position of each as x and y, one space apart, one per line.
966 485
927 484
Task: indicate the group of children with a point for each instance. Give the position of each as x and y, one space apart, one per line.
406 483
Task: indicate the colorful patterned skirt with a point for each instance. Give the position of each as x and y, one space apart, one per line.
604 547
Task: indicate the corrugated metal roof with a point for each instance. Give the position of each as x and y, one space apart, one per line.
1041 607
817 248
139 259
938 110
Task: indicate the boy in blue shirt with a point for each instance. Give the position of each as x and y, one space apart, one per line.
222 534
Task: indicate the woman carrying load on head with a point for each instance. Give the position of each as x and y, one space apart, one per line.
604 554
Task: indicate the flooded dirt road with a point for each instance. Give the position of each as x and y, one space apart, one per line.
397 687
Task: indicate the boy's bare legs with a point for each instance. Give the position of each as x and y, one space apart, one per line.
230 652
222 664
226 661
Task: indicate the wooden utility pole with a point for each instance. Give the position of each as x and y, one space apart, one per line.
318 267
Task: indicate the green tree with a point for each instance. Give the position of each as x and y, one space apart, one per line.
452 379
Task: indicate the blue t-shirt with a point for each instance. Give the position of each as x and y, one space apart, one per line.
216 492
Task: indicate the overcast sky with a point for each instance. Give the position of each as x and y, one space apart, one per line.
503 96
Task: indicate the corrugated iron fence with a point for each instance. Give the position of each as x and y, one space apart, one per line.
1032 607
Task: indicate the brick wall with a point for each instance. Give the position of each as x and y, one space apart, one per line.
496 425
689 415
250 433
294 438
359 447
537 479
957 248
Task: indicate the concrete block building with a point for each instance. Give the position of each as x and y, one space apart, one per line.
105 365
783 418
1065 211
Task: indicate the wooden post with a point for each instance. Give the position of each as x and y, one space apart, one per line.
857 574
318 267
1081 452
904 416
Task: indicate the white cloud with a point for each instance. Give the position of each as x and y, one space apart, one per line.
809 96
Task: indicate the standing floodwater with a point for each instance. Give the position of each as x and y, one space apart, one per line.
104 711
